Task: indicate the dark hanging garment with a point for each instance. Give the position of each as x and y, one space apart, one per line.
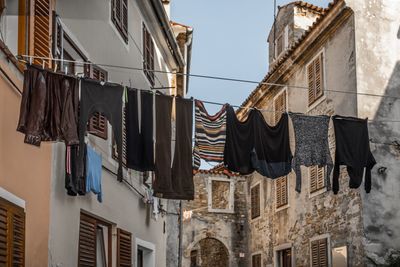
162 184
139 129
182 171
49 107
210 134
106 99
271 156
74 183
353 151
312 146
239 142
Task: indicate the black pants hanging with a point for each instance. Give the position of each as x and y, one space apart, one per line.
140 145
106 99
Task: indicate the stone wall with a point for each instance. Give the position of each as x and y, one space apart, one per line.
205 230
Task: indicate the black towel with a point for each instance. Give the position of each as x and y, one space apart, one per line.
140 146
352 150
162 184
182 170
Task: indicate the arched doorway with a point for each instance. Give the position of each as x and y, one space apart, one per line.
209 252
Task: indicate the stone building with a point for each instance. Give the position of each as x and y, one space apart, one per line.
215 223
334 60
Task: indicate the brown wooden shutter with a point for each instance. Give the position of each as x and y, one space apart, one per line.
256 260
311 83
97 125
279 106
321 177
255 201
319 253
317 178
315 74
148 55
42 10
281 191
124 248
87 241
12 235
119 16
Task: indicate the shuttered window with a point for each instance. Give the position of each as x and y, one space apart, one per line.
124 249
315 74
256 260
97 125
255 201
279 105
284 258
281 191
119 16
92 245
12 235
42 10
148 55
317 179
319 253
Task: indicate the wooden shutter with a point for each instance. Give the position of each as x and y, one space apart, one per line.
119 16
317 179
256 260
255 201
12 235
315 75
279 106
148 55
97 125
124 248
87 241
42 10
281 191
319 253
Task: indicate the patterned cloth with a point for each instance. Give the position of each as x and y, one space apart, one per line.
210 135
312 147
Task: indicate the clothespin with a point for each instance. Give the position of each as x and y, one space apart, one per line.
55 67
66 70
43 63
30 60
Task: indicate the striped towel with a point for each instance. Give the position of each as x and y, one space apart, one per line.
210 135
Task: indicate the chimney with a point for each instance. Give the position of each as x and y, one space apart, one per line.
167 7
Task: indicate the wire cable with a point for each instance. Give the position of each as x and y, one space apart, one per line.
19 57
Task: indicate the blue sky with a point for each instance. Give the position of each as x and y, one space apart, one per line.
230 40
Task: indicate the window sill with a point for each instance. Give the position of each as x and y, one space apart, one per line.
316 103
282 208
318 192
221 211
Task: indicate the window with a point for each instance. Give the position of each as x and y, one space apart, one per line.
282 42
148 55
317 179
97 124
284 257
220 196
140 258
124 248
12 234
256 260
255 201
94 242
315 74
193 258
280 105
281 191
119 16
319 253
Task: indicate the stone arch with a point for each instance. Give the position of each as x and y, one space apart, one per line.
209 252
197 239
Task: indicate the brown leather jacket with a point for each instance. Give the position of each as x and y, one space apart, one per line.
49 107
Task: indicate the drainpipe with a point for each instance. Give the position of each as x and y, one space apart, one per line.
180 235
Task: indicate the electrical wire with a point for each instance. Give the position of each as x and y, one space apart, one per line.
19 57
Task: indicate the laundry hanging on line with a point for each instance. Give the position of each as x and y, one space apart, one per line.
210 135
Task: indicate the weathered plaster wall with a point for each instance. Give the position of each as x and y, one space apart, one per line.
377 24
228 228
25 170
310 215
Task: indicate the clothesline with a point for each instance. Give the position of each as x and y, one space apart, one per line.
21 58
